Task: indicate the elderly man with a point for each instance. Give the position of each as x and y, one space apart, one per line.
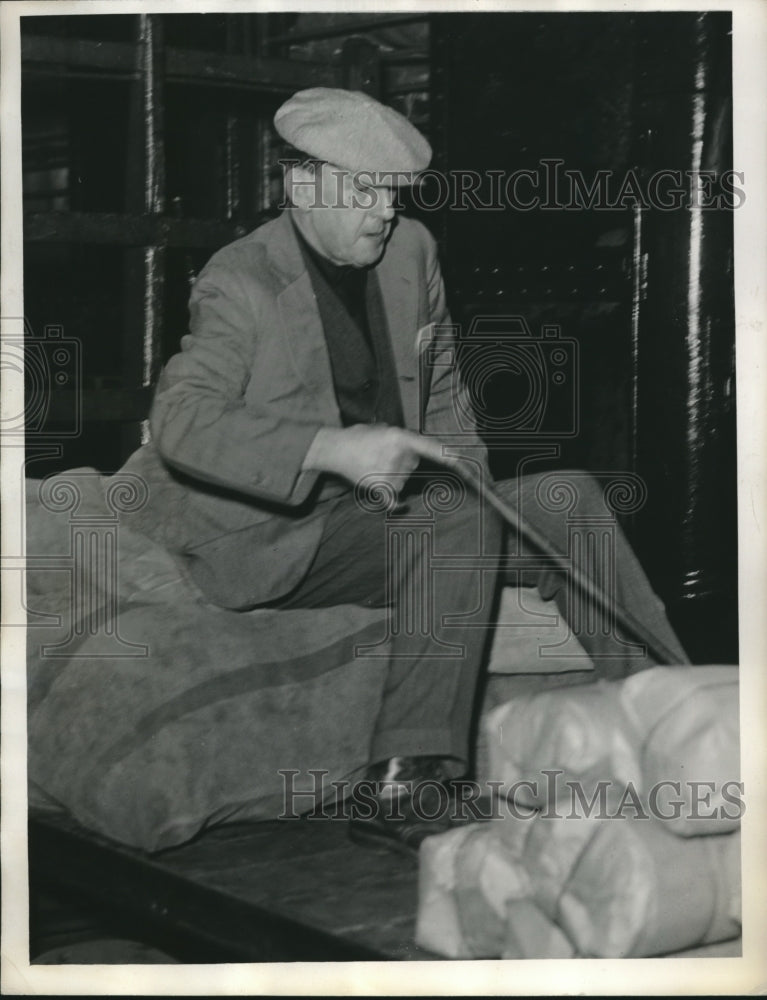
299 381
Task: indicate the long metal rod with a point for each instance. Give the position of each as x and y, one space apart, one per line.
631 625
151 41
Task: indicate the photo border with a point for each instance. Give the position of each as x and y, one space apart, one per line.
649 976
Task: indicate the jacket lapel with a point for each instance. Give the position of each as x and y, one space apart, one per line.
400 302
302 326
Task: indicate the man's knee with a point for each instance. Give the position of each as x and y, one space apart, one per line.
564 492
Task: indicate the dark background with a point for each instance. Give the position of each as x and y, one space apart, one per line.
148 144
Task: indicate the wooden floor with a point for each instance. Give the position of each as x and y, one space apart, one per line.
292 890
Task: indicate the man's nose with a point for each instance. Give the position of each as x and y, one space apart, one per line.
384 205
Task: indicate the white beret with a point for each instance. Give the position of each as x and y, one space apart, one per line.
354 131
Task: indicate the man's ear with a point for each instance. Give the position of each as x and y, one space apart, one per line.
303 186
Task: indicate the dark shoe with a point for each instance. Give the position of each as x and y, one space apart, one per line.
409 801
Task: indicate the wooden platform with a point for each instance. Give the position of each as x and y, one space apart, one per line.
290 890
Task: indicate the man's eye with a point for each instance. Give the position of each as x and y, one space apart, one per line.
364 197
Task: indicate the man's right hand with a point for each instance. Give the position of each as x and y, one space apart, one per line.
389 453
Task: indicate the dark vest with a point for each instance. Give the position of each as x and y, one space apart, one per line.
357 337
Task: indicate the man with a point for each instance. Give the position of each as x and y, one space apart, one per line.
300 380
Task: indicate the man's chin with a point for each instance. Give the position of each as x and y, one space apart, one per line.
369 256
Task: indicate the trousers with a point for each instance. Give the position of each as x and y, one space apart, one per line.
439 561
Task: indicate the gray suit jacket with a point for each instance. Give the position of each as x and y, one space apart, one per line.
237 408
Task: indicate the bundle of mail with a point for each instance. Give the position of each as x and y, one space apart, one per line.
617 832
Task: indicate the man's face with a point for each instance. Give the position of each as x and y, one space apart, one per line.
346 217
